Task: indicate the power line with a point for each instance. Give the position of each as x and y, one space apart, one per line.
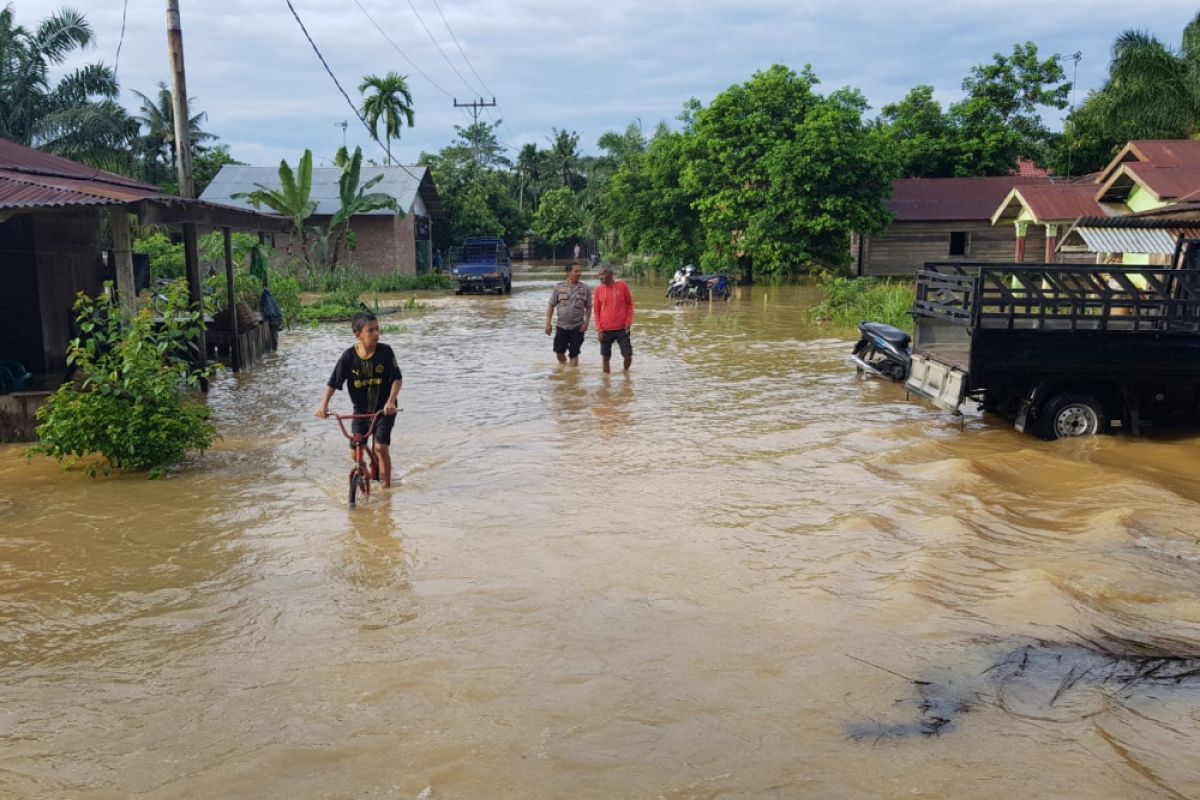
349 102
483 83
121 41
396 47
460 49
439 48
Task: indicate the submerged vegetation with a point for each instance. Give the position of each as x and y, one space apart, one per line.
851 301
132 402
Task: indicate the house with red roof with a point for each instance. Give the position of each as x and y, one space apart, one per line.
941 219
1147 177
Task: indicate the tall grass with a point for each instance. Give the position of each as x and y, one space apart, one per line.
352 280
849 301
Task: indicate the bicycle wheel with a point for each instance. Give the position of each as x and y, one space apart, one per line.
360 485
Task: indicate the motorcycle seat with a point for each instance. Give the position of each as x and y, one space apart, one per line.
894 336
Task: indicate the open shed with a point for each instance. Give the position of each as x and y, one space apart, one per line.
51 216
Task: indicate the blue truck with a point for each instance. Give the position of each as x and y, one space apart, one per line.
483 265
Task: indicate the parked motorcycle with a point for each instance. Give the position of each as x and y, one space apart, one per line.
688 287
883 350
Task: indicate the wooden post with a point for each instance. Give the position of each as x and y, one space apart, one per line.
183 162
118 218
235 356
1019 255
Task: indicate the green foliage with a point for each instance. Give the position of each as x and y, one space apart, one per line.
132 407
999 121
558 219
1152 92
849 301
166 258
782 175
207 162
355 198
286 291
292 199
648 209
391 103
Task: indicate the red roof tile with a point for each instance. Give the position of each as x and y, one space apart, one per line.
1027 168
944 199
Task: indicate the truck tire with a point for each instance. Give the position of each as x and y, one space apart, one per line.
1071 415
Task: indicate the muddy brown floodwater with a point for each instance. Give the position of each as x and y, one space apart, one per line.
740 571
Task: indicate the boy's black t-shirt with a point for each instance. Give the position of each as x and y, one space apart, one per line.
368 380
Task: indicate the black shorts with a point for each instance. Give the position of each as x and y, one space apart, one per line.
568 341
383 428
621 337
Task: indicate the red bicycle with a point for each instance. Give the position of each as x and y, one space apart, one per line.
366 468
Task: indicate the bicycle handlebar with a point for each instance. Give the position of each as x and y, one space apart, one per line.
341 421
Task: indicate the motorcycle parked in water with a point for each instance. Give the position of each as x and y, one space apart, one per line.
688 287
883 350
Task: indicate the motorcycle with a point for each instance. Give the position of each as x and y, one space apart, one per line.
883 350
688 287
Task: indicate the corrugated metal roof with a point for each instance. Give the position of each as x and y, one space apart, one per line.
1132 240
1060 202
1167 152
19 158
402 183
1167 182
938 199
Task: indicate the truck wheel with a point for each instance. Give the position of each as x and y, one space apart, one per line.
1069 415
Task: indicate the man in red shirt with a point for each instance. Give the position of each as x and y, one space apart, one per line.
613 306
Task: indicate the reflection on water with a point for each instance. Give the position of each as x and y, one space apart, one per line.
737 571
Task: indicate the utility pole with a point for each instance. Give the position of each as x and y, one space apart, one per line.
476 106
183 161
343 125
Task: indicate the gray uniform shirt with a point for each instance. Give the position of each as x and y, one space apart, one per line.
574 304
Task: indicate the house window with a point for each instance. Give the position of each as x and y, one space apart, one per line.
960 243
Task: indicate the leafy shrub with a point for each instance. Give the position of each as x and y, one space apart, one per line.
166 258
849 301
131 406
286 291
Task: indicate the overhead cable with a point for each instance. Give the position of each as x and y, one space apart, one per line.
396 47
336 83
428 32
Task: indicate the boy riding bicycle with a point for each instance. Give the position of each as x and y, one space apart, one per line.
373 380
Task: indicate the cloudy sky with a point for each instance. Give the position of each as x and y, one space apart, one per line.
582 66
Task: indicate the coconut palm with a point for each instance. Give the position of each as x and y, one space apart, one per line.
564 155
391 102
529 172
158 118
1154 84
78 117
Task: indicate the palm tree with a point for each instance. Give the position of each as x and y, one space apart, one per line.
391 102
158 117
78 117
564 155
1155 84
529 172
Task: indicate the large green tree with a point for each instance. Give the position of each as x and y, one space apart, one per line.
998 122
782 175
646 207
558 219
391 102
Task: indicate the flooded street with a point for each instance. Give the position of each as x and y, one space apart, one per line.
740 571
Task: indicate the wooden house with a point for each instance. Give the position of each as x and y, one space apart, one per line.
941 219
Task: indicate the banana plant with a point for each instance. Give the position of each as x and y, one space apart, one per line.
292 198
355 199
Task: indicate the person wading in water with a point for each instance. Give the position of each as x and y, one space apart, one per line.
573 299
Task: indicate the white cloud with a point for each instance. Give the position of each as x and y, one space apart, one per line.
582 66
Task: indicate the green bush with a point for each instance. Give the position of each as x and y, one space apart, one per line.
849 301
132 405
166 259
286 291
